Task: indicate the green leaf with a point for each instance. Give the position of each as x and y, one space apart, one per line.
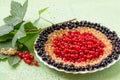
27 26
29 40
24 8
3 56
17 13
5 45
30 26
13 60
42 10
6 37
36 21
18 10
12 20
16 27
5 29
20 33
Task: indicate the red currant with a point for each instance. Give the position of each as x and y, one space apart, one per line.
20 55
36 63
28 61
26 52
27 56
24 59
31 57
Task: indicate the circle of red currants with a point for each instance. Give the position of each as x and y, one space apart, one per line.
77 47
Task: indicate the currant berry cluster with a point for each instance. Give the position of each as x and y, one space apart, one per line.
27 58
75 46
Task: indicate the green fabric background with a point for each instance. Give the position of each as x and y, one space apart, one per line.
106 12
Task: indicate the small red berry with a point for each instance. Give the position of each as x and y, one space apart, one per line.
20 55
28 61
92 52
31 57
89 57
24 59
82 59
27 56
81 54
79 60
23 55
26 52
36 63
77 47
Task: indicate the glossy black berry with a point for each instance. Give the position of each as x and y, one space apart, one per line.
88 67
70 25
54 64
82 68
65 67
77 23
56 27
59 65
96 66
63 27
49 61
110 60
77 69
103 63
44 58
80 23
92 67
41 53
116 56
50 30
72 67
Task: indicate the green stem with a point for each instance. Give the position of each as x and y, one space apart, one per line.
74 19
46 20
71 20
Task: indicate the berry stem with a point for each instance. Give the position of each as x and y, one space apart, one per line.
71 20
46 20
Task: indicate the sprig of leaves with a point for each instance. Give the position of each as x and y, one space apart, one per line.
18 31
17 14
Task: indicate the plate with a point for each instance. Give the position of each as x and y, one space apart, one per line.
76 72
